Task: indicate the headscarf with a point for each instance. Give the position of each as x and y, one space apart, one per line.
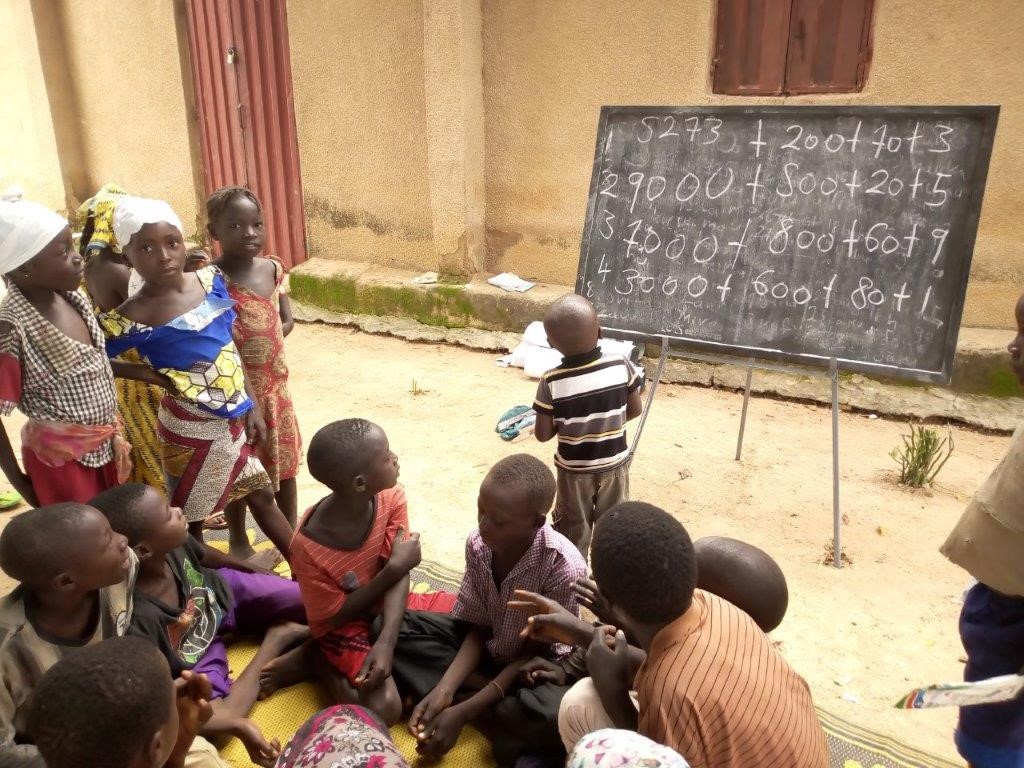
25 229
342 735
133 213
100 208
622 749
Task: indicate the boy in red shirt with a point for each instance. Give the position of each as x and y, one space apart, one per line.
351 556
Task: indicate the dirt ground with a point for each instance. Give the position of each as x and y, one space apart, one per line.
862 636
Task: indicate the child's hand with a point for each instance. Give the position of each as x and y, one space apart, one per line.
539 670
405 551
442 737
192 694
350 583
590 597
255 427
422 721
548 622
376 668
608 662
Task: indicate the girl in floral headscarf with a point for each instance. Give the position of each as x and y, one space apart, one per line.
106 284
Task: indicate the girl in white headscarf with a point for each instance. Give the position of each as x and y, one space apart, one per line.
53 366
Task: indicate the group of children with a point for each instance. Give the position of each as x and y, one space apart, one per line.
112 550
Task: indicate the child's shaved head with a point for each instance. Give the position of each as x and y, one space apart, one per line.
571 325
37 544
337 451
745 576
103 705
527 476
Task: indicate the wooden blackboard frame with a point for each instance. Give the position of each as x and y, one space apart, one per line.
987 115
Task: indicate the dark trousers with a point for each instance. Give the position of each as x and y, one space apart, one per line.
523 722
992 630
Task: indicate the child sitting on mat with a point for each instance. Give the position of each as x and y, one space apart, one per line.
185 608
467 665
351 555
115 705
76 578
585 402
700 660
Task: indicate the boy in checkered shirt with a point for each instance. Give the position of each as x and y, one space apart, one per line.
53 365
469 664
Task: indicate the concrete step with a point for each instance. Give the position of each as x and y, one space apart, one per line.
983 390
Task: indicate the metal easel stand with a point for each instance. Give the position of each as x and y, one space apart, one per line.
650 396
832 375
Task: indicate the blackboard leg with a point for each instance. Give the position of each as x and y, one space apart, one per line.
837 532
743 413
650 395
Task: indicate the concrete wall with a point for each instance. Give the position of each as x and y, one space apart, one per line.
358 77
28 149
549 65
124 70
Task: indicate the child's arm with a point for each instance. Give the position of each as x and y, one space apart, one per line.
405 555
377 666
634 405
12 471
544 427
143 373
284 306
437 737
439 700
612 673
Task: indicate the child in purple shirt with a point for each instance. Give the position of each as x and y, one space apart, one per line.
469 664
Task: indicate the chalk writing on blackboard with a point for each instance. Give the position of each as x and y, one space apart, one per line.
801 233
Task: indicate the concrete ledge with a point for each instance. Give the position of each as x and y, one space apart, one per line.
364 289
354 293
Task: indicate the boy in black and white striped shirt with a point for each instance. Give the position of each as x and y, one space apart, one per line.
586 401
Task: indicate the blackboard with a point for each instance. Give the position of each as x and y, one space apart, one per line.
792 233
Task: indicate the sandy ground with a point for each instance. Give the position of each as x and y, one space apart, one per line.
870 632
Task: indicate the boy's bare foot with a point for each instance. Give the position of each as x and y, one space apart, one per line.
267 559
262 752
285 635
289 668
243 551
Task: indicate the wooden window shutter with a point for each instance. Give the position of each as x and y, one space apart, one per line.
750 46
829 46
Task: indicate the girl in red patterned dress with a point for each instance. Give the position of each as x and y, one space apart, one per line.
258 286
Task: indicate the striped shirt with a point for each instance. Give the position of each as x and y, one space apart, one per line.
319 569
715 689
586 395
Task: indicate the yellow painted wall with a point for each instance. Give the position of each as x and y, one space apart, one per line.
125 72
549 65
358 77
28 151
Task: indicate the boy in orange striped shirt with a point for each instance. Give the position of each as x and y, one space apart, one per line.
351 555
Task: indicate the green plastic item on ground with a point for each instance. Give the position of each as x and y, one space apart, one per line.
10 500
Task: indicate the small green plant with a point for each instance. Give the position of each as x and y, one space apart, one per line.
922 455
